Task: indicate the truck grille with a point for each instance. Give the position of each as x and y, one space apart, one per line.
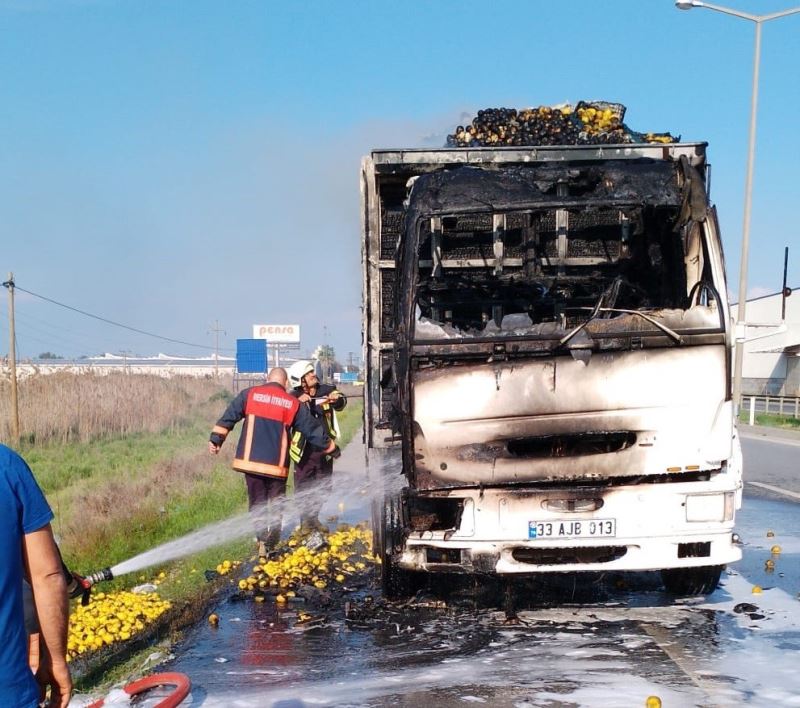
568 556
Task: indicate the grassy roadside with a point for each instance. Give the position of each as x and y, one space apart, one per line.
771 420
117 497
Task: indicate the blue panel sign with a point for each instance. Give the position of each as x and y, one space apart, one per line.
348 377
251 356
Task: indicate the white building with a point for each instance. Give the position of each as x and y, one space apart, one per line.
771 365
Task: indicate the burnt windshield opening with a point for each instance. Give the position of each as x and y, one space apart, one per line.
542 272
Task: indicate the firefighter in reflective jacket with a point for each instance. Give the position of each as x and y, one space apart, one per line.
313 469
269 413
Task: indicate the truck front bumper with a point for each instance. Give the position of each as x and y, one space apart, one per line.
655 526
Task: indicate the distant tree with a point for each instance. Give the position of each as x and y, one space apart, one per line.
327 357
49 355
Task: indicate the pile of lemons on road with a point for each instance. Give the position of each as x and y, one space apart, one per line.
110 618
118 616
347 552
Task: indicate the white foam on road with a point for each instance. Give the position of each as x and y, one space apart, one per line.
549 678
781 609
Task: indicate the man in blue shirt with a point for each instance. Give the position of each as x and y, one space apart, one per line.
27 547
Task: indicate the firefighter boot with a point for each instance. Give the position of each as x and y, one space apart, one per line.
273 538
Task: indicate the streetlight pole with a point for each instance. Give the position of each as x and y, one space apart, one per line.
748 185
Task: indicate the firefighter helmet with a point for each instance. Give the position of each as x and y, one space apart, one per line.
298 370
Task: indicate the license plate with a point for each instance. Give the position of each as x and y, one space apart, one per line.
572 528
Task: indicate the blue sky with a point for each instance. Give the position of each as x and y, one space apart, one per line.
168 164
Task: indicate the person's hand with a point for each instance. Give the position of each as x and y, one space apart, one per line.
55 676
333 396
212 448
336 453
304 398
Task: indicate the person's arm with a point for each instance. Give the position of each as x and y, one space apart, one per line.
313 430
232 415
43 568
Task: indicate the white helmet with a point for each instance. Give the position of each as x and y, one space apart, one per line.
298 370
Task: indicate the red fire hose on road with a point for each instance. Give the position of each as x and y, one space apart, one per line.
181 683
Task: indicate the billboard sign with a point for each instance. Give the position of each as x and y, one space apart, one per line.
251 356
288 333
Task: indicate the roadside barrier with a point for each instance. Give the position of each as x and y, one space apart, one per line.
776 405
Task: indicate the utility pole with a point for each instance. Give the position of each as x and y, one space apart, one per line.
350 356
125 353
12 358
216 330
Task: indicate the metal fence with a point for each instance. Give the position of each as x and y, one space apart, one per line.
776 405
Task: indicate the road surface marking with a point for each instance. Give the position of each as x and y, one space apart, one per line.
777 490
674 649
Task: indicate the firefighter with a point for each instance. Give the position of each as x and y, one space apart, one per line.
269 414
313 467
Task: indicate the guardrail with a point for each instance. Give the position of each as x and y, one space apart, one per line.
776 405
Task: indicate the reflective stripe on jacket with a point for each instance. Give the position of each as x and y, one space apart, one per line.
268 412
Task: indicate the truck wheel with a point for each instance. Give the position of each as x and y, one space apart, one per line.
691 581
397 583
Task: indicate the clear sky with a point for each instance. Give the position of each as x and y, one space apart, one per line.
166 164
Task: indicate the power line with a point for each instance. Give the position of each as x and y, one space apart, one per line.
115 324
27 324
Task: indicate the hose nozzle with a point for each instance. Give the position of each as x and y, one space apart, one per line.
100 576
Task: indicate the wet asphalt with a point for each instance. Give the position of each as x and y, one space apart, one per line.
608 641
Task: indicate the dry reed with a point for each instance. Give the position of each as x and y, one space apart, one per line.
69 407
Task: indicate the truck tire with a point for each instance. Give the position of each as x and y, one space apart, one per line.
396 583
691 581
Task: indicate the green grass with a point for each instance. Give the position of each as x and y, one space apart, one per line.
771 419
60 466
215 499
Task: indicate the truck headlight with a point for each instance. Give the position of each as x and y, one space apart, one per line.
710 507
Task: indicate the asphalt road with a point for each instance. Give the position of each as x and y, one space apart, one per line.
623 641
771 462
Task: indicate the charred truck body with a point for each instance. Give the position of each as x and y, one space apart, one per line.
548 344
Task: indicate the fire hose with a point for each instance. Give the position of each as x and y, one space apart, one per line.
181 683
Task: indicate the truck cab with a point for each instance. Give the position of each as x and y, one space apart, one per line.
548 350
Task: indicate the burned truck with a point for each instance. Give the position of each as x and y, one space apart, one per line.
548 363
